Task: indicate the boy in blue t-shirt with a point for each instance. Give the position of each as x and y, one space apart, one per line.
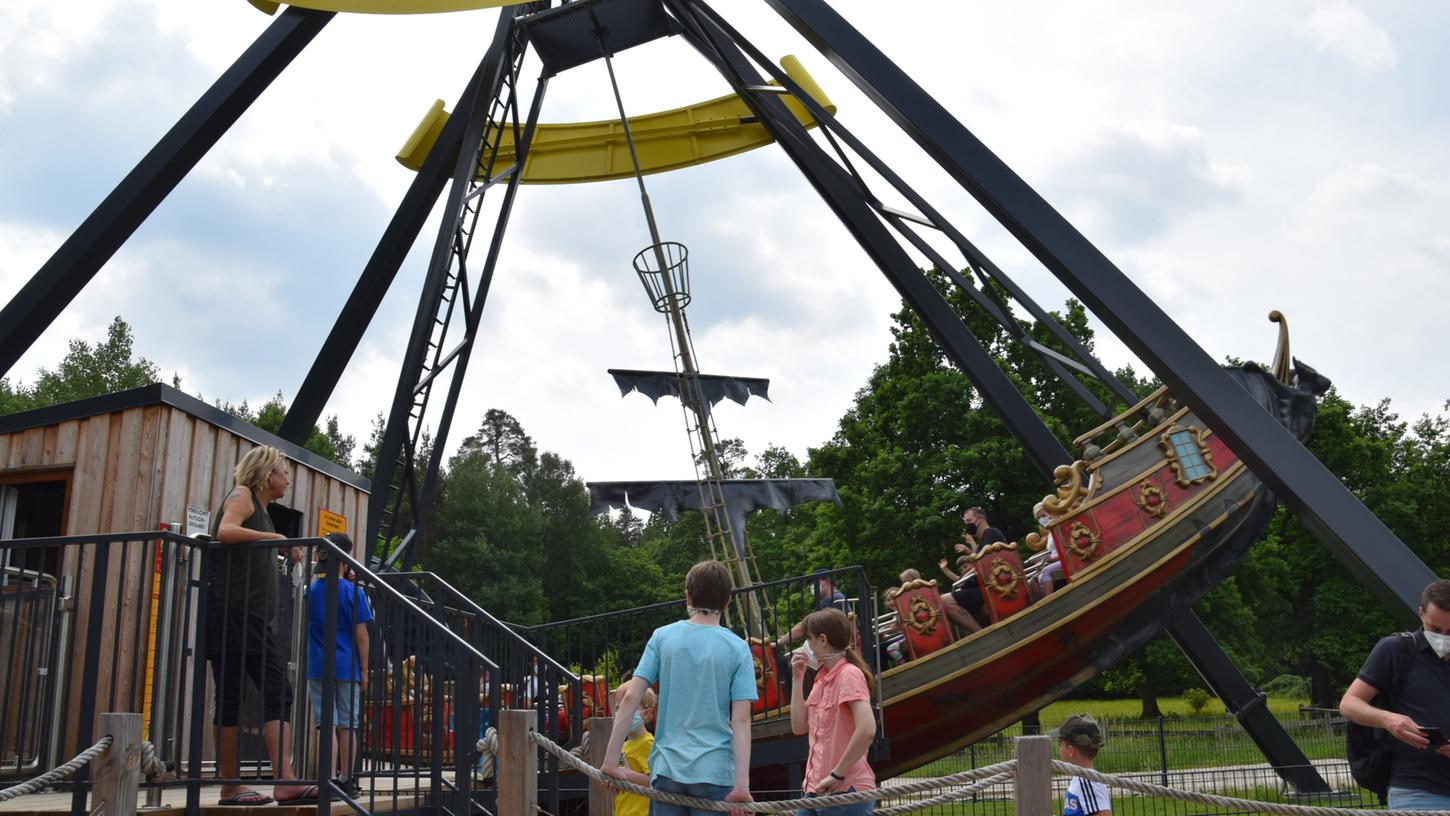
707 683
350 671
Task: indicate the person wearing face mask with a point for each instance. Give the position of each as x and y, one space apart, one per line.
837 719
634 767
1419 714
979 534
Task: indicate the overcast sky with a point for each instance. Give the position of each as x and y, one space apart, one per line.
1231 159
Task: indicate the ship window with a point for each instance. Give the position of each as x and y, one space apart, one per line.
1190 458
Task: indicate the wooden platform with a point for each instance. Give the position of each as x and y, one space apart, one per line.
49 804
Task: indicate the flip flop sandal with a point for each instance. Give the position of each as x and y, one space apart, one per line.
309 797
245 799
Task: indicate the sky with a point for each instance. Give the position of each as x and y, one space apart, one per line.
1229 159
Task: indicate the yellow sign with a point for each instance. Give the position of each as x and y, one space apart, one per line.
330 522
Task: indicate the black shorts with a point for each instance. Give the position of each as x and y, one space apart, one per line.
240 644
969 597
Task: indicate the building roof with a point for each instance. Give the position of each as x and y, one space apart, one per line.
159 394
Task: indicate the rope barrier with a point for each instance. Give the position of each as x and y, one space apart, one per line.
993 772
1219 801
60 772
945 798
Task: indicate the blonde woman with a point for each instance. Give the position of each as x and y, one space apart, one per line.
241 597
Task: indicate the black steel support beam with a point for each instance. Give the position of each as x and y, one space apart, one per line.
1371 552
839 192
1248 705
77 261
377 276
836 188
475 316
396 435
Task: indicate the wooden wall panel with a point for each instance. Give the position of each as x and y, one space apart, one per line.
49 441
5 449
67 434
223 464
203 457
27 449
299 497
174 468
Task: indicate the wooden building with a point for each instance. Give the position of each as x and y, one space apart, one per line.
129 462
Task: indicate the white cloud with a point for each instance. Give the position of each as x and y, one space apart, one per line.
1224 180
1348 32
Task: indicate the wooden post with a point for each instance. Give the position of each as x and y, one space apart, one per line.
518 764
1033 795
118 770
601 801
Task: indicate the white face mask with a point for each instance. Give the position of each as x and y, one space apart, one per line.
813 660
1440 643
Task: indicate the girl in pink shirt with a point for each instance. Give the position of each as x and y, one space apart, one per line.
838 715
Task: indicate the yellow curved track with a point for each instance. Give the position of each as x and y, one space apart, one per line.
596 151
387 6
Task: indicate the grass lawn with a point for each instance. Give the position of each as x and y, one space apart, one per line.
1172 707
1176 743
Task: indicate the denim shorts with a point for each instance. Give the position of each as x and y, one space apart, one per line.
345 702
1416 799
700 790
858 809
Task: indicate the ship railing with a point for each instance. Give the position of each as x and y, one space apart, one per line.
1150 412
129 622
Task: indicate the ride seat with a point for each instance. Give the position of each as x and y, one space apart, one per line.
768 694
921 618
1003 580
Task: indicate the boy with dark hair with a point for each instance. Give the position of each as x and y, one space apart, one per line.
707 683
1078 741
350 640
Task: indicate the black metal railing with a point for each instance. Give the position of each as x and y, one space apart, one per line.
605 647
524 677
193 633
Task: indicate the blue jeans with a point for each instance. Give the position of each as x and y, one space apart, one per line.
701 790
1416 799
859 809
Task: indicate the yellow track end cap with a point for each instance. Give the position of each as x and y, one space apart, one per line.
576 152
388 6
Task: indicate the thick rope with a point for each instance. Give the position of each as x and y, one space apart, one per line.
49 778
785 806
945 798
1219 801
151 765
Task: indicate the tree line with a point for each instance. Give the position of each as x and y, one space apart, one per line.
511 526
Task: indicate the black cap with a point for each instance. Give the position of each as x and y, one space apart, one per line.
1081 730
341 540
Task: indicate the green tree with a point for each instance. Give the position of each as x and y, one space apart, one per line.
330 444
86 371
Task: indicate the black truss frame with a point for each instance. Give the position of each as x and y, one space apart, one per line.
31 311
448 295
845 192
1361 542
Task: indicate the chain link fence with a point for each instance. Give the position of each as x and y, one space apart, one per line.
1207 754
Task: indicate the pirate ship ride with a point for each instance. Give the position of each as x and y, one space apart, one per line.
1162 501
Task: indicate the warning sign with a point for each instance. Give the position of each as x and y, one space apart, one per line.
198 521
330 522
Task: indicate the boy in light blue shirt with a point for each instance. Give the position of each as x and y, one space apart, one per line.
707 683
